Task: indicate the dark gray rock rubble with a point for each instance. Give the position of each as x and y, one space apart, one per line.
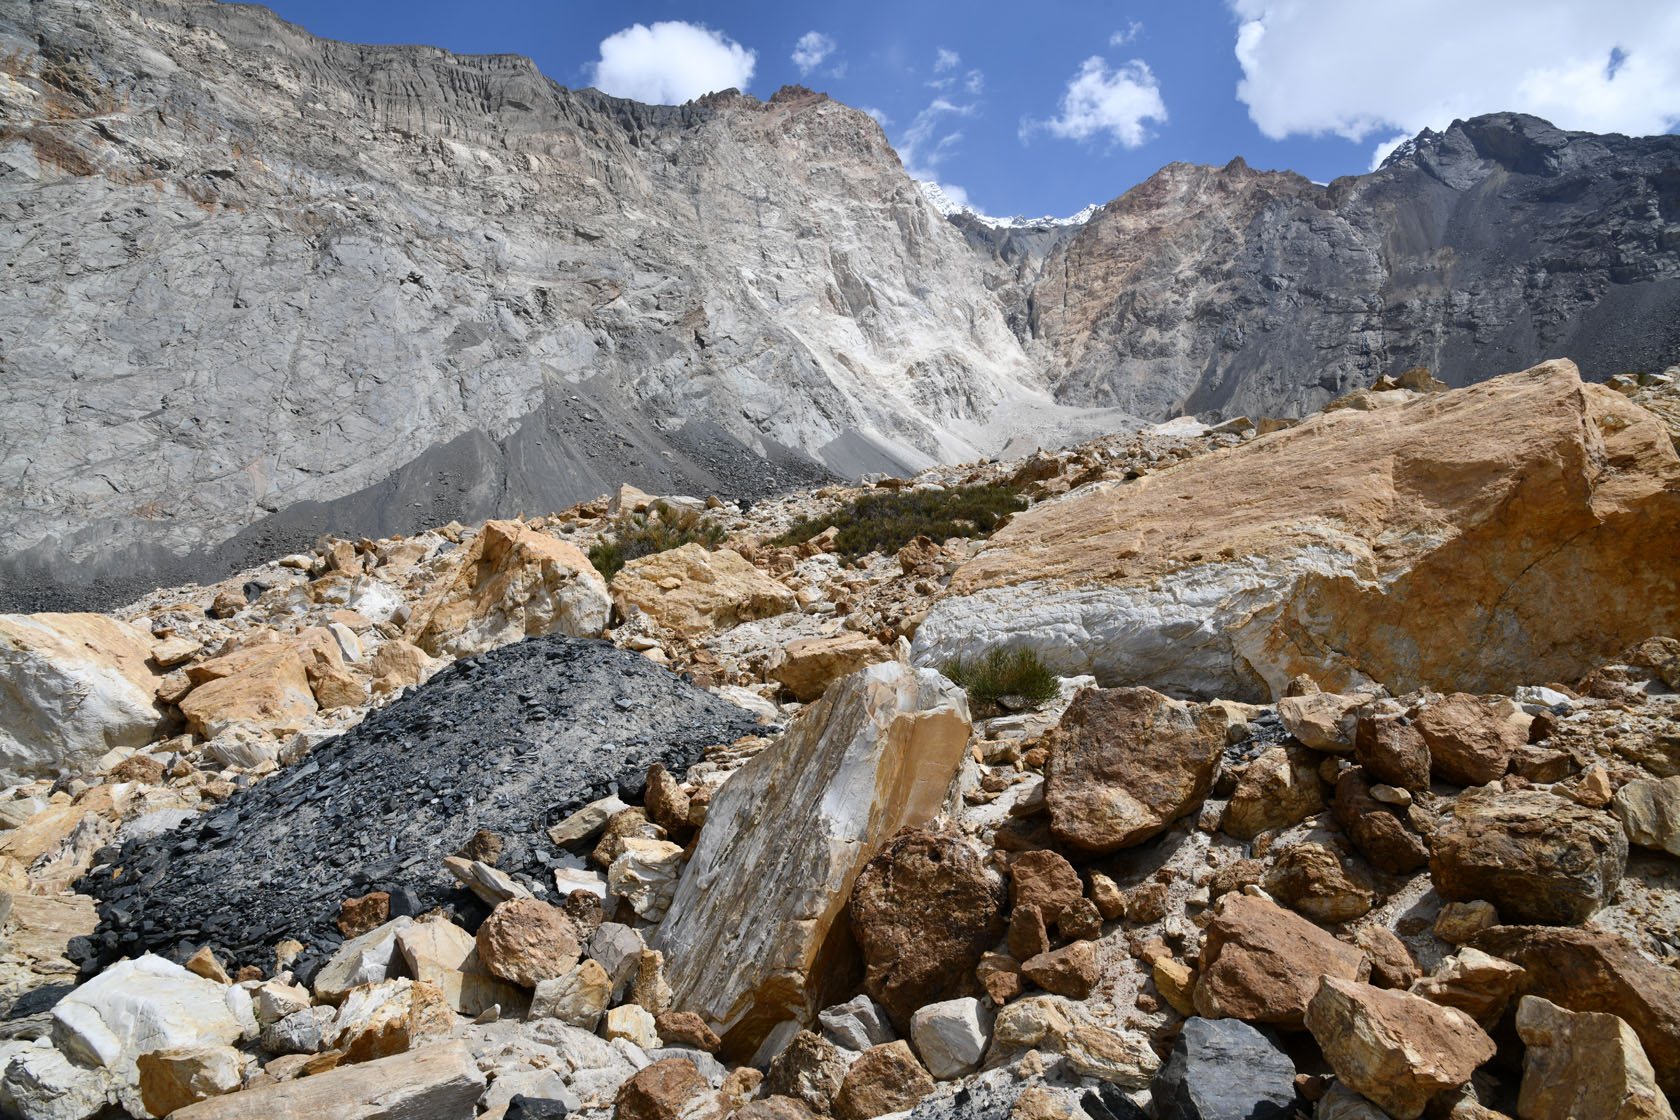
512 741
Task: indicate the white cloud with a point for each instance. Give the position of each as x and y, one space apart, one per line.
974 82
1125 35
1609 66
812 48
880 118
946 60
1101 100
928 140
670 63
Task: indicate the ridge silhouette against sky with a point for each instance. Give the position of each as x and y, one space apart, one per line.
1042 108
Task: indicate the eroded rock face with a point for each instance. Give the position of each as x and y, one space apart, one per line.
924 911
1536 856
1125 763
511 583
787 837
1262 963
1397 1049
1531 507
72 686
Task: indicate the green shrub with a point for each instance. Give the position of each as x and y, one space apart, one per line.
642 534
887 520
1004 672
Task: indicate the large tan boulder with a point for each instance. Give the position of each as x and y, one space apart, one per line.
270 692
692 590
1516 531
1584 1066
1262 963
1125 763
785 839
1471 740
1536 856
510 583
1279 789
809 665
1397 1049
1650 813
441 1081
72 687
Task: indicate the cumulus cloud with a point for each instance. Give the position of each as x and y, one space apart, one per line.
946 60
1101 100
670 62
812 48
880 118
1610 66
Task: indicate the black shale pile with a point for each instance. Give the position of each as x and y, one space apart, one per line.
512 741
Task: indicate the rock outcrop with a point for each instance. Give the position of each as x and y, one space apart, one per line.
1512 532
786 838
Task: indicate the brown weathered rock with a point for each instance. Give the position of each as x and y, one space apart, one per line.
809 1069
626 824
357 916
440 1081
269 690
692 590
484 846
924 911
1535 856
510 583
884 1079
399 664
1070 971
1313 881
785 839
1000 975
1392 965
684 1028
1397 1049
1125 763
1324 721
1474 982
810 665
1592 970
774 1108
172 1079
527 941
1531 506
1262 963
1470 741
204 963
1279 789
1147 902
1028 935
445 956
1458 922
1584 1066
666 802
391 1017
1046 880
1103 891
1081 921
1053 1025
1392 750
1375 828
672 1089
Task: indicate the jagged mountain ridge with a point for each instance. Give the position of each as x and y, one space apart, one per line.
263 286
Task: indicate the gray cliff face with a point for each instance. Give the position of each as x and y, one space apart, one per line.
1481 250
261 286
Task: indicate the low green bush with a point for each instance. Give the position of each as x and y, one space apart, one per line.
642 534
887 520
1004 673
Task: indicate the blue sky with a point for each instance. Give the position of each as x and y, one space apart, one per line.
1042 108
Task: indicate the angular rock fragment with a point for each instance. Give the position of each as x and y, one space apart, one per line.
1125 763
439 1081
1392 750
1535 856
952 1036
1650 813
1262 963
692 589
810 1070
1223 1068
1584 1066
884 1079
809 665
1376 829
1313 881
1279 789
1470 741
1058 1026
1474 982
790 832
671 1089
1070 971
525 942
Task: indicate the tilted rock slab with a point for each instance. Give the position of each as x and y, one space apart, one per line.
1584 1066
434 1083
1517 531
757 922
72 686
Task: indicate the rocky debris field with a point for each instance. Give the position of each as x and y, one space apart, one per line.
511 741
507 820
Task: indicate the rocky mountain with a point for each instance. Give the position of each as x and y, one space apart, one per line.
1488 247
261 286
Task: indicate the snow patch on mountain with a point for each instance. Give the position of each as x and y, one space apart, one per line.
943 203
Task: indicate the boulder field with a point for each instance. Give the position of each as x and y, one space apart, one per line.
484 823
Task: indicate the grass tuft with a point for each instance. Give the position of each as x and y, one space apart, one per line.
1004 673
886 521
660 529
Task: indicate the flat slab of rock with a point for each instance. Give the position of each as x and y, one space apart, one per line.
809 665
1125 763
786 837
1650 813
431 1083
1536 856
395 796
